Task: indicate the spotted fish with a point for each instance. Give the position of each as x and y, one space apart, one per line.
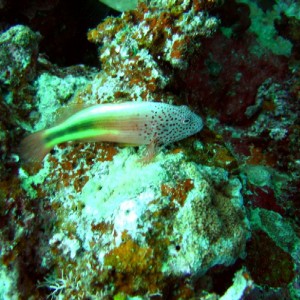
134 123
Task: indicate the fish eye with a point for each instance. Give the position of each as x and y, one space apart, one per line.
186 121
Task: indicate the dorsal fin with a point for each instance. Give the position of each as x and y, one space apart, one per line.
69 110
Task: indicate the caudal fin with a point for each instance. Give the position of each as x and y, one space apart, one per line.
33 148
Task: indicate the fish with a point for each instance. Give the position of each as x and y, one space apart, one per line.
129 123
121 5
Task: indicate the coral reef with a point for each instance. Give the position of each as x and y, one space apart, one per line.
134 231
18 56
214 216
62 24
136 46
288 27
18 61
262 25
229 73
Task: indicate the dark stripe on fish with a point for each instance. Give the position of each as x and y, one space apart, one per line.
69 130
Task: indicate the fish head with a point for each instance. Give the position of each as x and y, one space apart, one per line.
180 123
190 123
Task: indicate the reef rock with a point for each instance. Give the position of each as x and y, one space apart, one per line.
137 225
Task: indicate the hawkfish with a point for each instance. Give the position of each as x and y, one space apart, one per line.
129 123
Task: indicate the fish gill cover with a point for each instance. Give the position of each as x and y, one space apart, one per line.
202 216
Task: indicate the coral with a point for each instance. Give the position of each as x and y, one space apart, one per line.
267 263
234 17
263 197
25 222
92 222
242 285
64 47
262 25
179 192
229 79
142 232
138 268
18 56
290 8
277 228
7 283
136 46
261 188
288 27
94 232
213 153
52 92
56 285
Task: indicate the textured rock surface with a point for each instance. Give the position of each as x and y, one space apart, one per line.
177 217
